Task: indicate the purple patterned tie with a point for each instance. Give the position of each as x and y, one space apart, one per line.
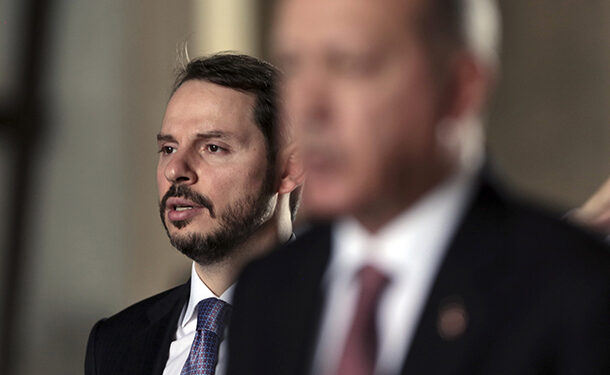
360 351
212 317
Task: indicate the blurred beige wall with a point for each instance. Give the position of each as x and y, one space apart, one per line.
549 129
96 243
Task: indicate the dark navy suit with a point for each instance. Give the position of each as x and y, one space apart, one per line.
136 341
536 291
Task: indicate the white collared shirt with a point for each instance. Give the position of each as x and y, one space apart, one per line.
409 251
187 327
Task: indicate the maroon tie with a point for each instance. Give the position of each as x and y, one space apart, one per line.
360 351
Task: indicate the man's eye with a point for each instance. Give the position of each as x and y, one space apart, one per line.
167 150
214 148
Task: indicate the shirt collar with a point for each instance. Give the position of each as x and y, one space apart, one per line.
421 232
200 291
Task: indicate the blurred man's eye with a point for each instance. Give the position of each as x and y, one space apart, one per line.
287 63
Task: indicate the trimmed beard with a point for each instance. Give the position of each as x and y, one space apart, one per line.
239 221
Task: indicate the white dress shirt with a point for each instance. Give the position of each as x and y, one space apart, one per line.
409 251
187 327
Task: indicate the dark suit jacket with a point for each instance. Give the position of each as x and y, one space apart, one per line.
536 292
136 340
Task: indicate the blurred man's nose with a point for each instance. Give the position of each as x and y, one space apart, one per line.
308 99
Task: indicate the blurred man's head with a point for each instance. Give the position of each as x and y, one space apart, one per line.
379 92
221 175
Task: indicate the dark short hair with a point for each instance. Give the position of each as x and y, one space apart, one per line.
250 75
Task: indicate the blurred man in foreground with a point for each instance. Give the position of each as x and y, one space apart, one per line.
225 176
424 264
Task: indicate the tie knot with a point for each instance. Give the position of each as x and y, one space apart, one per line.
212 315
372 281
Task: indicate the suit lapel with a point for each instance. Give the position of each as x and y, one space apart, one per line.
453 319
158 335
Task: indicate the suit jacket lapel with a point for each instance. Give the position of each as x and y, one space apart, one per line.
453 317
478 239
157 337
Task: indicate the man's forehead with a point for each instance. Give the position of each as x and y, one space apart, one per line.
357 21
210 99
201 93
330 3
320 8
200 107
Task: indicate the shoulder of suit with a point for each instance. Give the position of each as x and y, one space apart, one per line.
542 233
139 311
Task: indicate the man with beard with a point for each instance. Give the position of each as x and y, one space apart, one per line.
225 178
421 263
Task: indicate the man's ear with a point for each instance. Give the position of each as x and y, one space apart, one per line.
470 86
292 173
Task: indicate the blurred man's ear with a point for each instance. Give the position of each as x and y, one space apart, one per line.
469 87
292 173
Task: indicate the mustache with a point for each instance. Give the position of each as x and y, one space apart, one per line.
182 191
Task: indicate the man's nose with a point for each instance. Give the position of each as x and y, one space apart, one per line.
179 170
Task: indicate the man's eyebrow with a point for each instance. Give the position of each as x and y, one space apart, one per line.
165 138
212 134
215 134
